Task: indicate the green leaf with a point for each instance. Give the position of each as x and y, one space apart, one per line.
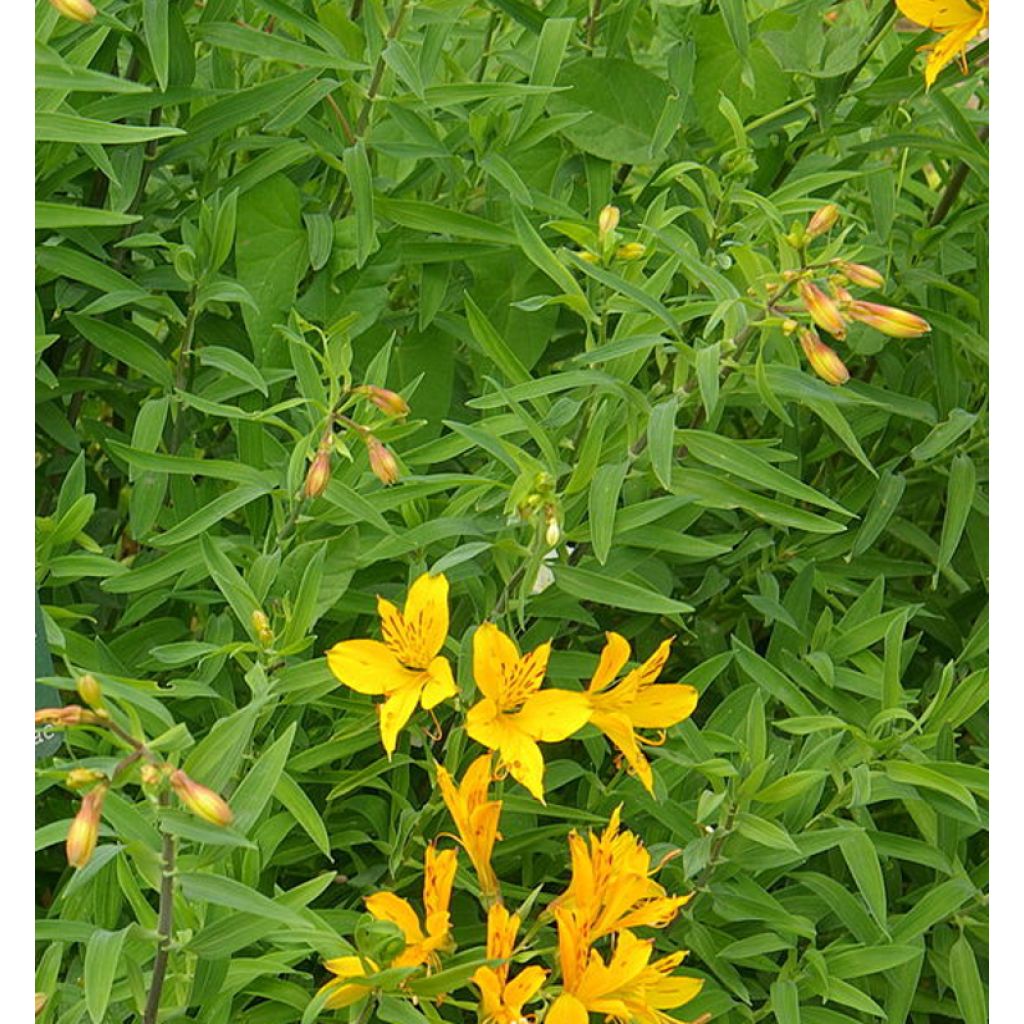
154 23
603 500
785 1002
60 127
959 497
862 860
661 439
102 960
967 983
588 585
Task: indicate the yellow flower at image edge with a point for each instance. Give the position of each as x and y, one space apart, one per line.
626 988
344 991
515 713
406 667
636 702
501 999
959 21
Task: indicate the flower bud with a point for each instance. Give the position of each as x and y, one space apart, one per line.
90 690
607 220
261 627
825 363
586 256
85 829
823 220
71 714
823 310
631 251
319 474
202 802
789 326
836 285
552 531
382 462
150 775
79 778
897 323
860 274
389 402
41 998
76 10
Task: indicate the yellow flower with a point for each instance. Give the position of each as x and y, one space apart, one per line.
501 1000
629 988
344 991
475 817
515 713
959 21
407 666
635 703
421 943
612 885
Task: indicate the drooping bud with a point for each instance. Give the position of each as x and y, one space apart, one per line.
90 691
825 363
85 829
824 312
823 219
607 221
389 402
79 778
631 251
200 800
897 323
261 627
76 10
860 274
836 285
382 462
319 474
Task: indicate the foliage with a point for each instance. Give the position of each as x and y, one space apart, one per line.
247 209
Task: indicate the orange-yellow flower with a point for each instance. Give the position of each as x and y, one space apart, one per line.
959 21
628 988
612 885
897 323
344 990
502 1000
824 361
421 943
824 312
475 817
636 702
407 667
515 713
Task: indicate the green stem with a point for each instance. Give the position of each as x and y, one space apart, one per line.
378 71
165 924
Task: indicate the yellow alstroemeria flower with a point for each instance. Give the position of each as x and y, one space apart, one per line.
629 988
501 1000
421 943
636 702
959 21
475 817
344 990
515 713
612 885
407 667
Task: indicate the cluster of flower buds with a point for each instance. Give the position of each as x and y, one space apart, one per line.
832 307
261 627
539 504
76 10
608 247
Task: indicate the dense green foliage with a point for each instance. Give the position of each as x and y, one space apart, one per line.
245 207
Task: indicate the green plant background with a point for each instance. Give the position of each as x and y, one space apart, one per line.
242 201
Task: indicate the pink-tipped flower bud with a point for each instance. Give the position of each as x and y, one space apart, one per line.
825 363
200 800
90 691
319 474
824 312
76 10
607 220
897 323
860 274
389 402
382 461
823 219
85 829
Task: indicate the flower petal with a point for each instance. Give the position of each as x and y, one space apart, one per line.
386 906
494 657
397 709
614 655
426 610
553 715
658 707
366 666
524 986
940 15
619 729
566 1009
440 683
649 671
524 761
486 724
